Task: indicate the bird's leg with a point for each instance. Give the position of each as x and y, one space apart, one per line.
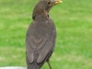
49 64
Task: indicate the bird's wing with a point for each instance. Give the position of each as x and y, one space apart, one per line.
45 49
30 49
43 46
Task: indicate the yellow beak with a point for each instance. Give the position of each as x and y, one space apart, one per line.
58 2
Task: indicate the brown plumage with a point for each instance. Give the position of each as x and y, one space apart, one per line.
41 35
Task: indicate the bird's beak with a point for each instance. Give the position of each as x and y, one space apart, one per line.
58 2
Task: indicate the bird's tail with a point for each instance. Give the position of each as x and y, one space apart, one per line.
34 64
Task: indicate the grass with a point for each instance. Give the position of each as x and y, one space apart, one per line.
73 20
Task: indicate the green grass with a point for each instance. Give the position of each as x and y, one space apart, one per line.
73 20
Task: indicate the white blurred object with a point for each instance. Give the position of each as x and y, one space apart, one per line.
13 67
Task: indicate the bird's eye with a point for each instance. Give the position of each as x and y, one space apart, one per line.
48 2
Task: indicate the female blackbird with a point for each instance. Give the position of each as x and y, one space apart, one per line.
41 35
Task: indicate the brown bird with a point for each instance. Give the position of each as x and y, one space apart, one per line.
41 35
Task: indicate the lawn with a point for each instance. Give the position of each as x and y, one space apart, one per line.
73 20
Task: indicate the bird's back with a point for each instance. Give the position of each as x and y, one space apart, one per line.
40 42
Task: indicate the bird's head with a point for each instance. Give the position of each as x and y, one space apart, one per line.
44 6
50 3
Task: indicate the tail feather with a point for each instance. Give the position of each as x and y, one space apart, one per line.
34 64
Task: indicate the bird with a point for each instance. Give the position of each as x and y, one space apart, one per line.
41 35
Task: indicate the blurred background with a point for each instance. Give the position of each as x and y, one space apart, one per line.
73 21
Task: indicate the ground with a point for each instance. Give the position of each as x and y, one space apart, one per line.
73 20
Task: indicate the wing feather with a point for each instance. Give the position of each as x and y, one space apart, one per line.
42 44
